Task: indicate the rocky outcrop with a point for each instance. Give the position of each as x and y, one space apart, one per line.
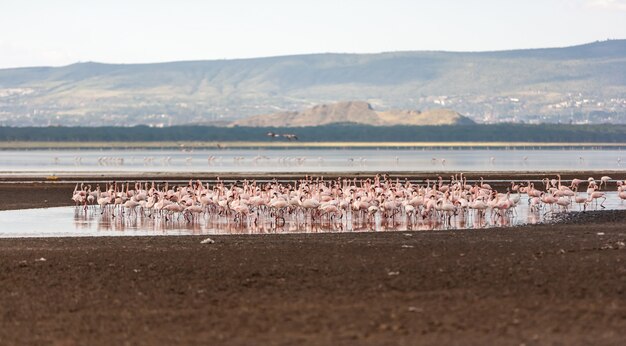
357 112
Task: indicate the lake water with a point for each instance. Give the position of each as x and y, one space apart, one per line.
76 222
311 160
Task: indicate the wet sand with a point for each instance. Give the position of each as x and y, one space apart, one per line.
545 284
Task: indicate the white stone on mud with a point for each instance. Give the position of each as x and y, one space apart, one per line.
207 241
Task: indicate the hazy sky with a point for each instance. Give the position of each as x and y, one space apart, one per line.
61 32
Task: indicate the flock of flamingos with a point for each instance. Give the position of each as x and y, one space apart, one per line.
358 201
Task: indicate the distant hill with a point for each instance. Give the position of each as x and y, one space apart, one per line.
585 83
356 112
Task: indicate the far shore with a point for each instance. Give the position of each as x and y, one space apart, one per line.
283 144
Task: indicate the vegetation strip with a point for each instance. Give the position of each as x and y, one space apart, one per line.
324 134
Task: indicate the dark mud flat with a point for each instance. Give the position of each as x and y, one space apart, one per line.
550 284
35 195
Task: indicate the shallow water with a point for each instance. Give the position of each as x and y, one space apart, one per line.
311 160
76 222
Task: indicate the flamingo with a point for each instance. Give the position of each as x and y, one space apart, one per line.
563 202
379 198
575 183
622 195
604 180
580 200
548 199
594 196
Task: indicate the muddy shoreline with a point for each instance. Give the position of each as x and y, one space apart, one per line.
545 284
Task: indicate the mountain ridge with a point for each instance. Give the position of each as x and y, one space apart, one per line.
583 46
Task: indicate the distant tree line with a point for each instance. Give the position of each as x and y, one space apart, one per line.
327 133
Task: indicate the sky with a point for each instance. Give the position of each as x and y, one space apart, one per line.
62 32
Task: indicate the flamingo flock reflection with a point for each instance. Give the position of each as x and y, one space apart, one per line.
316 204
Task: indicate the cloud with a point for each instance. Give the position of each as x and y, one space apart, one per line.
18 55
619 5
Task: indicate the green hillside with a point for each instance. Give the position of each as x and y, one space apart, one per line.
581 83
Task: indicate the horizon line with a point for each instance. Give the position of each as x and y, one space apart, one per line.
316 53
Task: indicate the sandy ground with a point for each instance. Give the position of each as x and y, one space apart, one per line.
549 284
